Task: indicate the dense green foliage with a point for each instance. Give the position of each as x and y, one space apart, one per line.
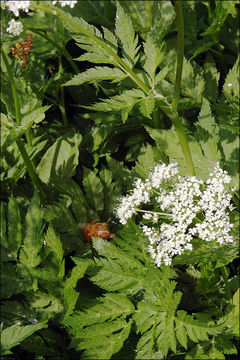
92 111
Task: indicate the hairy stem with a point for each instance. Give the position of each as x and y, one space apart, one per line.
29 165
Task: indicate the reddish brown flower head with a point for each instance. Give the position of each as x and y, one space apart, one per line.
21 50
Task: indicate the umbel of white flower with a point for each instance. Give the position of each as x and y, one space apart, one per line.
15 27
15 6
181 208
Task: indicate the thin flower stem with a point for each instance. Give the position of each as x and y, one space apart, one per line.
29 165
154 212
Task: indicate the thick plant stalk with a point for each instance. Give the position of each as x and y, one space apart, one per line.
176 119
29 165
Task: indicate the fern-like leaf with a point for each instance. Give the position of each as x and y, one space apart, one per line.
70 295
94 190
124 102
33 241
96 74
125 32
207 134
14 239
13 335
101 328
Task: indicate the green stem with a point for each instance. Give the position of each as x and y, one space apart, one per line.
14 90
225 278
175 118
180 53
183 143
62 101
30 168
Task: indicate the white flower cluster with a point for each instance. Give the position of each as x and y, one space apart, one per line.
15 27
66 3
141 193
15 6
189 207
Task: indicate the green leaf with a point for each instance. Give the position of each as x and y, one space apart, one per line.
14 131
100 329
61 159
99 73
230 146
231 319
192 84
89 38
123 102
207 134
13 335
154 57
110 191
125 32
147 106
121 174
33 241
203 253
3 224
94 190
14 227
167 141
211 79
11 284
231 84
54 246
70 295
145 161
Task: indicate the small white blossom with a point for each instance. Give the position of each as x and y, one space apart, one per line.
147 216
66 3
190 206
15 6
15 27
